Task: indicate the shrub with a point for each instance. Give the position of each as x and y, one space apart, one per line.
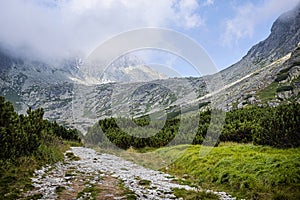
281 77
284 88
25 135
281 127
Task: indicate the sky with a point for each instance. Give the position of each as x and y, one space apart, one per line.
60 29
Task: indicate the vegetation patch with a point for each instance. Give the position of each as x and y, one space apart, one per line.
90 192
27 142
262 125
59 189
34 197
269 92
189 195
73 143
144 182
281 77
285 71
284 88
72 157
242 170
70 173
130 195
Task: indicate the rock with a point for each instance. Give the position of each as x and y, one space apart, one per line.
285 94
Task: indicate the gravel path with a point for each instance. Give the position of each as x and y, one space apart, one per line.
93 167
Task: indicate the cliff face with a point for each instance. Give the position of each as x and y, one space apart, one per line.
284 37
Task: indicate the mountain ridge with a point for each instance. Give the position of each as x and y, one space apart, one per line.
69 103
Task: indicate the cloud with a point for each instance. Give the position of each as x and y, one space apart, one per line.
208 2
249 16
50 29
187 16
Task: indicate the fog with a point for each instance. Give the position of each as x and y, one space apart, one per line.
54 30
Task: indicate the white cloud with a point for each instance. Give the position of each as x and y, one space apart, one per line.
208 2
250 15
186 15
62 28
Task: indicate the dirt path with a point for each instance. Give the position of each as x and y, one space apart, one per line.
85 174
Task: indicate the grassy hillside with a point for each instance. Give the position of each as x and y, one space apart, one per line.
243 170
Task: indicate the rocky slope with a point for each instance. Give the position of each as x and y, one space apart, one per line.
262 86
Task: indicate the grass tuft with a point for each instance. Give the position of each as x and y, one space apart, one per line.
90 192
144 182
189 195
72 157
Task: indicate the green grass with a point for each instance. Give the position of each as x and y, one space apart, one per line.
15 179
73 144
12 95
243 170
130 195
70 173
91 190
15 176
189 195
269 92
144 183
59 189
284 88
72 157
34 197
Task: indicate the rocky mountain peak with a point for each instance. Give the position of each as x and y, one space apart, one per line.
284 37
127 60
125 69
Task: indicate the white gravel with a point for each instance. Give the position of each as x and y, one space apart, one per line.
92 163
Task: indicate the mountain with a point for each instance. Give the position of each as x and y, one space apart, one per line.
126 69
268 84
268 74
284 37
54 87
